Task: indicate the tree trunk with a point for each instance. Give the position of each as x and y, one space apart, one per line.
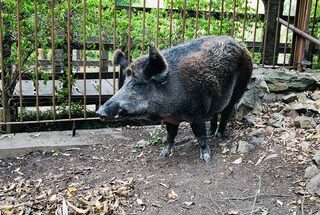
270 29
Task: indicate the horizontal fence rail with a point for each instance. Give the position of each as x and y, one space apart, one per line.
56 56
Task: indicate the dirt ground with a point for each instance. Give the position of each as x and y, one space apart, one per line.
267 180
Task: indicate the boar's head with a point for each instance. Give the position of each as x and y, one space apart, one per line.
145 79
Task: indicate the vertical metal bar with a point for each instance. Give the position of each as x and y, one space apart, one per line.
19 57
100 50
233 17
245 20
115 46
170 23
255 28
157 30
314 17
295 37
221 16
209 18
197 18
69 57
143 25
84 59
53 60
129 31
287 34
3 94
265 36
276 39
36 57
184 18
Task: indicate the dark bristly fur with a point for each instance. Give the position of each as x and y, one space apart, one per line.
191 82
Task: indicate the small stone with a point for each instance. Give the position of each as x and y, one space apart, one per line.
316 158
313 186
300 108
292 113
207 181
311 171
304 122
305 146
315 95
270 98
250 120
244 147
289 98
256 140
141 144
302 97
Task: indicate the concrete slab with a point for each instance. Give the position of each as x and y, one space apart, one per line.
13 145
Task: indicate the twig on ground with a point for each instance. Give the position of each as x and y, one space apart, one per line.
216 212
261 194
256 196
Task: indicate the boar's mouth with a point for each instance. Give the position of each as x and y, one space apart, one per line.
108 112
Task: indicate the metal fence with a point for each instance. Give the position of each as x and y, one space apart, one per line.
55 56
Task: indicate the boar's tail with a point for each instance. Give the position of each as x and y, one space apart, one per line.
245 69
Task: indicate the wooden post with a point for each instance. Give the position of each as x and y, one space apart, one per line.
302 24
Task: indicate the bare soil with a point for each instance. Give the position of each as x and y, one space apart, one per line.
181 184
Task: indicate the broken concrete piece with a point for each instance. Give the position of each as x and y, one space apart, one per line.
289 98
304 122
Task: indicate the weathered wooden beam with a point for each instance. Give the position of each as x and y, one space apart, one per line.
299 32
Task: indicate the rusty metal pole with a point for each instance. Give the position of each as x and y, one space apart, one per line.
304 13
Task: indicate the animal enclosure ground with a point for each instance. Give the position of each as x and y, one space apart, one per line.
117 176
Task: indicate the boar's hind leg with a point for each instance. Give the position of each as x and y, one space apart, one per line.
225 115
199 130
213 124
172 131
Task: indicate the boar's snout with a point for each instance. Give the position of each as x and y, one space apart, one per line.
108 110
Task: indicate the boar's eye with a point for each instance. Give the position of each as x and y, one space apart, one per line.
128 71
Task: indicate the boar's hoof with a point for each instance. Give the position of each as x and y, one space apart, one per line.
221 135
166 151
205 154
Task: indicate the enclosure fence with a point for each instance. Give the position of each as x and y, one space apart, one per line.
55 56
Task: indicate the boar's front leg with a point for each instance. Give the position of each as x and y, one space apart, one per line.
172 131
199 130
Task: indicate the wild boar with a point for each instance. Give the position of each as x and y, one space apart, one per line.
192 82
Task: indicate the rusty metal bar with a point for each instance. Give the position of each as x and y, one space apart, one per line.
255 29
276 39
19 57
221 16
299 32
209 18
245 20
115 45
197 19
287 34
37 56
314 17
50 121
69 57
143 25
157 25
184 18
84 58
52 60
4 98
170 23
265 36
295 38
129 30
233 17
100 50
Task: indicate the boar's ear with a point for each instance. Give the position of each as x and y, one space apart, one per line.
156 65
120 59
